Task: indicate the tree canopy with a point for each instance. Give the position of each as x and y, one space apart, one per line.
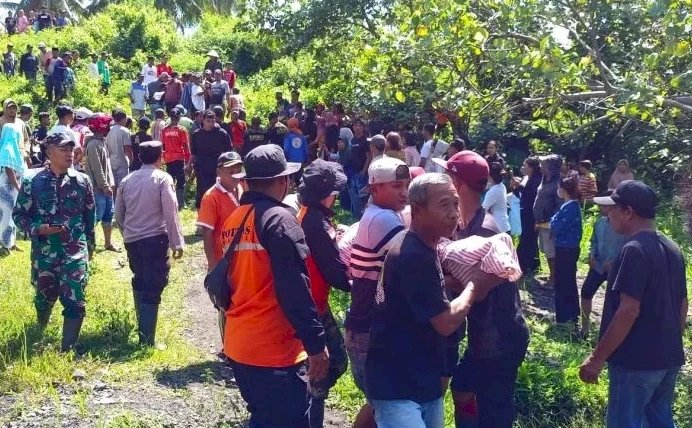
590 79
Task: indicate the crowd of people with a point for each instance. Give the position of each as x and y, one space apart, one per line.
35 21
429 263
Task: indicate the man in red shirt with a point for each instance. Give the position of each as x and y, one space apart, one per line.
229 74
238 128
173 93
164 67
176 153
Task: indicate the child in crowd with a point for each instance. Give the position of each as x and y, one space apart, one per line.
141 136
159 124
495 200
566 227
605 247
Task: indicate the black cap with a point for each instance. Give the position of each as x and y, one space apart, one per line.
58 139
321 179
634 194
267 161
229 159
63 110
144 122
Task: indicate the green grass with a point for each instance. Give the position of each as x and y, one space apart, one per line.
31 364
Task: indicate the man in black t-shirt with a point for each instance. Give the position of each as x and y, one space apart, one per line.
10 23
44 19
207 144
644 315
483 381
276 131
255 135
412 316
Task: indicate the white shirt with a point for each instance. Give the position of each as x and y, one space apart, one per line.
495 202
430 153
198 97
93 69
149 73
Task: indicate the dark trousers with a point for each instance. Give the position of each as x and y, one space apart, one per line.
170 105
149 264
205 172
275 397
338 363
177 170
566 295
492 380
527 250
592 283
49 87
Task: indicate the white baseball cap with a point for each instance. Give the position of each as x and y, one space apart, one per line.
83 113
387 169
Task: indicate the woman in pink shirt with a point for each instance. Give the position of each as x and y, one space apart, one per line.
22 21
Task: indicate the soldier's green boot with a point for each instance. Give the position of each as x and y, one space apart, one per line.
70 333
148 315
43 315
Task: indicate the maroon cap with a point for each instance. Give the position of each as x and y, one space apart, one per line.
467 166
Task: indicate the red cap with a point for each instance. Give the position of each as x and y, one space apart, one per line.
100 123
467 166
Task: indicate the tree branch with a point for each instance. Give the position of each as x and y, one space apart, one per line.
577 96
587 125
668 102
529 40
622 131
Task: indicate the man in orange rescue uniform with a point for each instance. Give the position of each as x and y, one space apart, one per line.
273 337
217 204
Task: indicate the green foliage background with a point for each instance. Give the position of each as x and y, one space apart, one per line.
613 88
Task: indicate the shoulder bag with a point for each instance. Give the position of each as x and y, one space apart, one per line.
216 282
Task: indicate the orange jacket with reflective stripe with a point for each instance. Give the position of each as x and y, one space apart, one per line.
318 285
257 331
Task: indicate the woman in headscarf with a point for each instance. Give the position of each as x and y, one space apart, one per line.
622 173
11 169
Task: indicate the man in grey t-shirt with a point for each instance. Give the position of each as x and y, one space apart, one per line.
119 145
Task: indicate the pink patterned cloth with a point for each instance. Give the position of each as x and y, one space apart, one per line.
495 255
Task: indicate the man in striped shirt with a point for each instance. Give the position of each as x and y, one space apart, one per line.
388 184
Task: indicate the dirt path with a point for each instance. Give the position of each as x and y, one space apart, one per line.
201 395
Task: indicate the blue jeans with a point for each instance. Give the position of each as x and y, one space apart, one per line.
104 208
355 185
409 414
638 397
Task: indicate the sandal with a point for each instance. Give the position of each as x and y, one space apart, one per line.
112 248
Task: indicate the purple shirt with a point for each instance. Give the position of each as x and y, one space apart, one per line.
146 206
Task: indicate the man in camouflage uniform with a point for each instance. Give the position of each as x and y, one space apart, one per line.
56 208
